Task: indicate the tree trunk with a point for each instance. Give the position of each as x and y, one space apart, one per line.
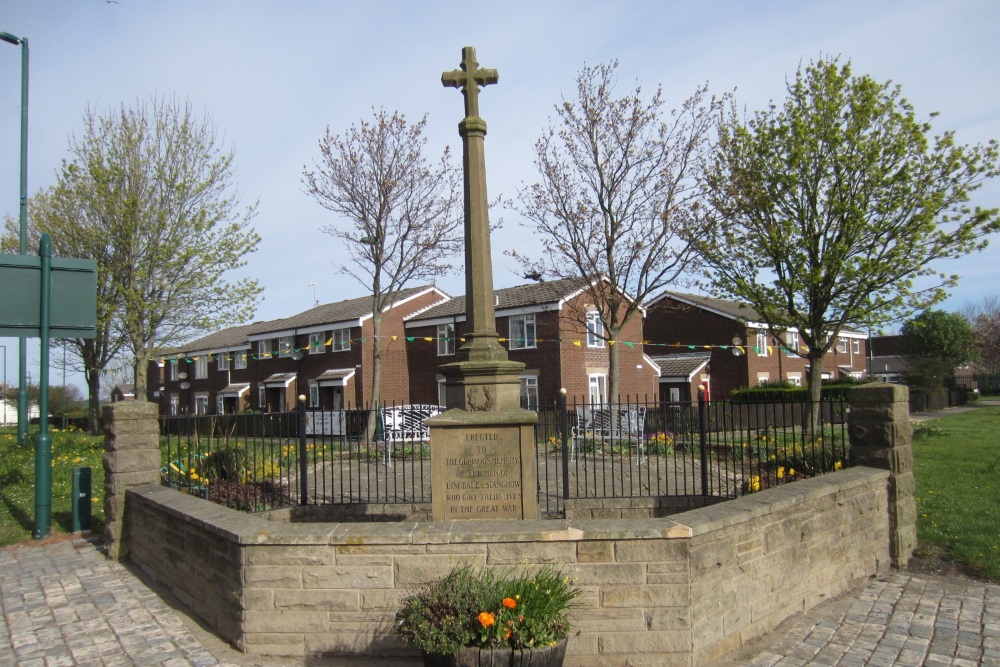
815 392
374 400
614 364
94 401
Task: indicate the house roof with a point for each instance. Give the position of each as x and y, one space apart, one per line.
681 365
892 363
727 308
236 389
329 313
279 378
333 313
509 298
125 389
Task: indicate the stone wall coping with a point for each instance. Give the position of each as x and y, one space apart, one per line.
253 529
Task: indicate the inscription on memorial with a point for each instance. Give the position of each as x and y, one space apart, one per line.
482 476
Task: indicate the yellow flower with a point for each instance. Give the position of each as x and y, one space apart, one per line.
781 472
837 465
486 619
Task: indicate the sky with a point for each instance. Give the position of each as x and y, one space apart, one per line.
273 76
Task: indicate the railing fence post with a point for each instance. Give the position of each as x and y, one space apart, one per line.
703 436
303 461
564 432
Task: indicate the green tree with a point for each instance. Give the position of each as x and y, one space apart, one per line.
400 213
828 207
935 343
149 193
617 203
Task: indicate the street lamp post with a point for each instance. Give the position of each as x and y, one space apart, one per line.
22 390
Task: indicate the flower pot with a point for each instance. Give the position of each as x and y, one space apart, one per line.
544 656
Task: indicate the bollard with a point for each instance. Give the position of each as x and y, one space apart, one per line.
81 500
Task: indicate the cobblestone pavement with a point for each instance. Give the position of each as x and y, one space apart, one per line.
905 620
66 604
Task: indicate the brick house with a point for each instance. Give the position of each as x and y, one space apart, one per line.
324 353
548 326
741 351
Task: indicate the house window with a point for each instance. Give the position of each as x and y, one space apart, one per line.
220 408
263 349
173 369
314 396
792 342
341 340
262 397
201 367
201 404
316 343
598 385
175 404
763 378
795 379
762 343
223 361
285 345
856 346
529 392
239 360
595 329
522 332
842 345
446 339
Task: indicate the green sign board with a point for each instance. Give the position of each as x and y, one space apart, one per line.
74 297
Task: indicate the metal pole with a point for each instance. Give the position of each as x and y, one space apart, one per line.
703 437
303 462
564 430
4 396
43 446
22 341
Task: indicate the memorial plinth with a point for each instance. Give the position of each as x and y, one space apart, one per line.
482 447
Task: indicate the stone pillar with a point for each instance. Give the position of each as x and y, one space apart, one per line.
131 458
881 436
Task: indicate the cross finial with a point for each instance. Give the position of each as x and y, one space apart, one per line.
469 79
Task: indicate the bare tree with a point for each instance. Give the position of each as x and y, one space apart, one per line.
618 196
399 213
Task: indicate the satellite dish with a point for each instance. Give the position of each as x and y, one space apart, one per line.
737 352
297 354
185 385
182 376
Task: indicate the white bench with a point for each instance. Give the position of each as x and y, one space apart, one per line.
622 424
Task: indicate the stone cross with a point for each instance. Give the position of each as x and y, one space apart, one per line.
469 79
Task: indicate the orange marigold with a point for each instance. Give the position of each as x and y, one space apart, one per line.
486 619
510 603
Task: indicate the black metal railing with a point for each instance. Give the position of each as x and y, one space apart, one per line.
720 449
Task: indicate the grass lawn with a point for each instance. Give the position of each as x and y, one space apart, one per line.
957 467
17 482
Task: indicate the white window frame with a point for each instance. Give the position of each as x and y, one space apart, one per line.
285 346
519 338
762 342
175 404
446 339
239 360
220 405
341 340
595 329
529 392
201 367
762 378
201 404
842 345
222 362
316 343
597 388
792 342
856 346
442 393
795 379
264 349
261 397
174 370
314 396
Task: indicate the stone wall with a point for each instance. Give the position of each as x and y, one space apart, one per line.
678 590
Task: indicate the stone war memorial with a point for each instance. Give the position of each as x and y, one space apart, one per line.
482 448
674 589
